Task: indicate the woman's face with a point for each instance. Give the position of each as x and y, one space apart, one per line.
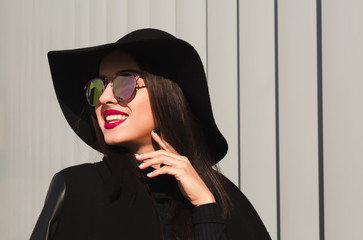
133 130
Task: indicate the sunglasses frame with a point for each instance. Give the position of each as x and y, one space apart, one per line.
109 80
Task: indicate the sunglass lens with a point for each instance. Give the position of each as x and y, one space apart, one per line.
94 91
124 87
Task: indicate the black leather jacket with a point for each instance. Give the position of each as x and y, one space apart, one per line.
50 215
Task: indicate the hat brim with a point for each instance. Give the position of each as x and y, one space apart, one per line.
169 56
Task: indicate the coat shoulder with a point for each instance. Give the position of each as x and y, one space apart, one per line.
83 168
85 173
244 219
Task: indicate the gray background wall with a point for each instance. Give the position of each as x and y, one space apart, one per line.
286 81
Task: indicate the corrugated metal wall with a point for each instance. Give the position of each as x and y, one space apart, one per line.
286 81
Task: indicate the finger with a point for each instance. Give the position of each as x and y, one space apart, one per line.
162 171
159 161
180 170
158 139
140 157
169 147
160 153
162 143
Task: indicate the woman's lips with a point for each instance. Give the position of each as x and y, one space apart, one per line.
113 118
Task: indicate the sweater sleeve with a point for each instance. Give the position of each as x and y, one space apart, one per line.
208 222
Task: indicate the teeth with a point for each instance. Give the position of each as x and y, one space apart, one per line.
115 118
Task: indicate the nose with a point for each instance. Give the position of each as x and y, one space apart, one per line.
107 96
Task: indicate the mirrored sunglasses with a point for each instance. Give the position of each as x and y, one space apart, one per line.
123 87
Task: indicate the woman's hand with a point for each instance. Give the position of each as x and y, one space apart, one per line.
189 181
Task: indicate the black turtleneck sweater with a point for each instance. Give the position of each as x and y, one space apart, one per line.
78 206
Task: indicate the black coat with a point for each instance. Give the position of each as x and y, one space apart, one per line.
78 207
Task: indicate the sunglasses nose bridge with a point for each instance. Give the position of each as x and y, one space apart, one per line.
107 96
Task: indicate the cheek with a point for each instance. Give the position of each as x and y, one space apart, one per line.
144 116
99 116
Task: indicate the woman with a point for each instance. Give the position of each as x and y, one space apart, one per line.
147 109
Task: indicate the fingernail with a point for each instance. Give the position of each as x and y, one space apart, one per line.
149 174
138 155
153 131
142 164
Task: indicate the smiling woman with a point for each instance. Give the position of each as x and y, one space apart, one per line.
147 109
136 121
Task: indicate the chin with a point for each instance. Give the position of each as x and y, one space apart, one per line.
118 142
113 141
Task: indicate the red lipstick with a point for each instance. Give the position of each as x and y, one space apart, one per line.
113 118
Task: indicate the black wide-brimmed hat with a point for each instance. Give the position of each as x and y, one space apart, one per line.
168 56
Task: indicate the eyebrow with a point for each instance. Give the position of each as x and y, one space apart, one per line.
123 71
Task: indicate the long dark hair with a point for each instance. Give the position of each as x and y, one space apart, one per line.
177 125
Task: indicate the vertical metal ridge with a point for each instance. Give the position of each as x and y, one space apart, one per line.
176 19
238 103
206 38
277 123
320 120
